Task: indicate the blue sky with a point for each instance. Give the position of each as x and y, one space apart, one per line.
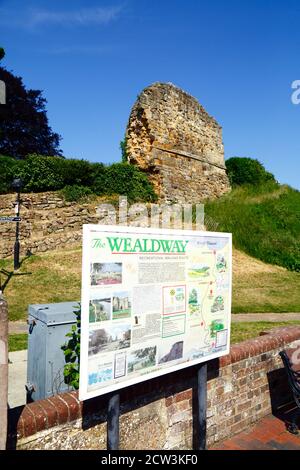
92 58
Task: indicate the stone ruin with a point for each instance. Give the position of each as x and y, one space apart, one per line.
173 139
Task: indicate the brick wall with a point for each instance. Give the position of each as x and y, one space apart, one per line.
159 414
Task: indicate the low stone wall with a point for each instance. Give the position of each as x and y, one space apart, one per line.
48 222
243 387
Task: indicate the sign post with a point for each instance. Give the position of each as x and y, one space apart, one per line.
113 415
202 404
154 301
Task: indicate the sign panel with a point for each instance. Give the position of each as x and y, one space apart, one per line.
10 219
153 301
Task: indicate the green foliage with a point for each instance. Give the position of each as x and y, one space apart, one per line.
41 173
80 172
76 193
8 170
71 351
77 178
125 179
264 221
123 148
2 53
247 171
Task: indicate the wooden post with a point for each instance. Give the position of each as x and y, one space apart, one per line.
3 371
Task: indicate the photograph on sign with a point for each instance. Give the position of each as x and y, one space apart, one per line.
153 301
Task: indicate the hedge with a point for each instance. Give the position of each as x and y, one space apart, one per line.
75 177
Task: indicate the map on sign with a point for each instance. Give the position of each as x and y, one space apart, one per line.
153 301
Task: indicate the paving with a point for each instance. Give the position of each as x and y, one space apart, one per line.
17 376
17 327
271 317
270 433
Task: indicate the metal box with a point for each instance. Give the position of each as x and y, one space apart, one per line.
48 325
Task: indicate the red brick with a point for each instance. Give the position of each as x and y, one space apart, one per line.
39 415
73 405
186 395
50 411
28 422
169 401
61 409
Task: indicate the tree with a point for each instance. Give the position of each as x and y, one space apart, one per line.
123 148
25 129
242 170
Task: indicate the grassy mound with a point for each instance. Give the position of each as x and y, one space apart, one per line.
264 221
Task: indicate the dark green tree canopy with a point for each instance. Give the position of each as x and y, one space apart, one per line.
25 129
243 170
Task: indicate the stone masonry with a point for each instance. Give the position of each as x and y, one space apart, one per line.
174 140
48 222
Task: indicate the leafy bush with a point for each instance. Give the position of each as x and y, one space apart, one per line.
71 351
125 179
8 170
247 171
80 172
76 193
42 173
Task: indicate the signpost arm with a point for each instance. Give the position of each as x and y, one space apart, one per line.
113 415
202 404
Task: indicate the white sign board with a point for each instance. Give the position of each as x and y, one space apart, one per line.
153 301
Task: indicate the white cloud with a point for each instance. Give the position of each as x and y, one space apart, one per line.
33 18
82 17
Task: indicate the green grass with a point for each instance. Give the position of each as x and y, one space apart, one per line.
265 289
247 330
47 278
264 221
17 342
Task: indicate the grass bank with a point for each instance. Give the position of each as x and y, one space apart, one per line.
264 221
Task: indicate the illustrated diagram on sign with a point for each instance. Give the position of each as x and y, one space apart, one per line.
174 299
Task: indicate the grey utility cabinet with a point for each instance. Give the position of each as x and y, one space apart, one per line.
48 326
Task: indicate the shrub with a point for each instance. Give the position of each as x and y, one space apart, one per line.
79 178
71 351
42 173
80 172
76 193
8 170
125 179
247 171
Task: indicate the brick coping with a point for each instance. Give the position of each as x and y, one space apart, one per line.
65 408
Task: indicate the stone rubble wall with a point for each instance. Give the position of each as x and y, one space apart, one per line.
243 387
173 139
48 222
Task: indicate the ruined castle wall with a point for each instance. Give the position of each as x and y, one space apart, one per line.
172 138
